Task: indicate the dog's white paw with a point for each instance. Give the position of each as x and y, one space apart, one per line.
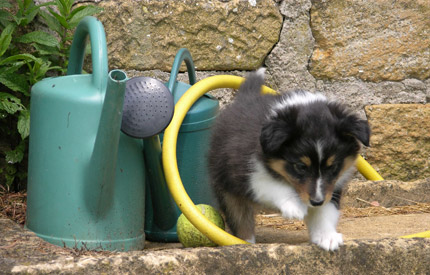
327 240
251 240
294 210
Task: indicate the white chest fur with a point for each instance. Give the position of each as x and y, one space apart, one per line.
275 193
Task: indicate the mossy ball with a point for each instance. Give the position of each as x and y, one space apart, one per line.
190 236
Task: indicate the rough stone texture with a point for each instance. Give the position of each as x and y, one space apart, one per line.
292 9
221 35
356 93
386 256
288 61
288 68
388 193
400 142
427 84
371 40
286 252
380 227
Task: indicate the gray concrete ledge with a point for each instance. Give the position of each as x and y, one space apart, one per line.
372 246
387 256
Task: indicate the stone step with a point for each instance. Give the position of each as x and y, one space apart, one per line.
372 245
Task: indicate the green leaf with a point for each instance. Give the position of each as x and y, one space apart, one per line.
43 69
30 16
43 5
62 7
15 82
51 22
31 10
5 17
27 4
24 56
78 16
24 124
10 103
60 18
16 155
12 67
45 50
75 10
26 13
4 4
39 37
9 175
6 38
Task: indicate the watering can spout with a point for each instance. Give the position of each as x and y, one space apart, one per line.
108 90
105 152
107 139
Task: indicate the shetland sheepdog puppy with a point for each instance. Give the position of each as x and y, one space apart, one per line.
293 152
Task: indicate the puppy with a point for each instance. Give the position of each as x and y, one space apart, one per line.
293 152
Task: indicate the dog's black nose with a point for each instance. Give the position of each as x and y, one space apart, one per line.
316 203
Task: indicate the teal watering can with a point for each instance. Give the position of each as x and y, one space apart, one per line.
161 212
86 179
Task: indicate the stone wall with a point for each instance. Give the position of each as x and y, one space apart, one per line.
360 52
401 140
235 35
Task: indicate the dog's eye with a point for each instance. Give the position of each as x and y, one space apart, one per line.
332 168
300 168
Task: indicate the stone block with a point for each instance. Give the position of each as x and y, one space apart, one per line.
400 142
288 61
221 35
371 40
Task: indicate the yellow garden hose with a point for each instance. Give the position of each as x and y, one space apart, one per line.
367 170
170 166
425 234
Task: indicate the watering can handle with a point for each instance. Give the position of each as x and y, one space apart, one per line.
94 28
182 55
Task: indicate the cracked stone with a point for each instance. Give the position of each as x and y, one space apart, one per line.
146 34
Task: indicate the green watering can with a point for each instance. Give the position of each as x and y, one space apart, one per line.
86 179
161 212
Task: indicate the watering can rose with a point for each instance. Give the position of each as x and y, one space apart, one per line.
190 236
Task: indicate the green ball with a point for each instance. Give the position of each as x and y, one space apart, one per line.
190 236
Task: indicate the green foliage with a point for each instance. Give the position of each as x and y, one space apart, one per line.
28 55
62 23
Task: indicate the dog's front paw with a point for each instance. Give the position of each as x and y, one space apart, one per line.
327 240
294 210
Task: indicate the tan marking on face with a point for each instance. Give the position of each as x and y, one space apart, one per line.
278 165
329 192
303 192
347 163
306 160
330 161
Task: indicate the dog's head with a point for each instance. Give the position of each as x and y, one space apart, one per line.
313 144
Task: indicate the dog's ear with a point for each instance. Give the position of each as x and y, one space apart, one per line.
353 126
276 132
273 135
350 125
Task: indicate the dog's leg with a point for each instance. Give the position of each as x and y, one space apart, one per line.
321 222
267 190
239 214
